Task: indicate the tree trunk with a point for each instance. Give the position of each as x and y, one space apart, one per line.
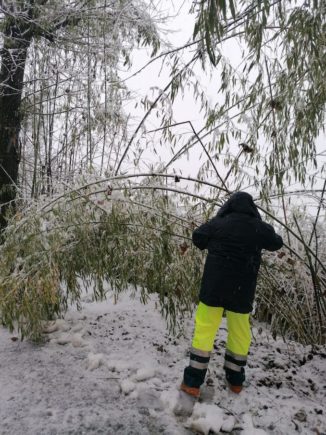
17 39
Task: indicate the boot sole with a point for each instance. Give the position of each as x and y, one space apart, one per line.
191 391
235 388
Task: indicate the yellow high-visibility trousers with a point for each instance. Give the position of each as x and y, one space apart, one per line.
207 322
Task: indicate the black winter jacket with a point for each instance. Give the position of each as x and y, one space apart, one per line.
234 239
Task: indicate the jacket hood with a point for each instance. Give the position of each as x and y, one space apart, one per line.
239 202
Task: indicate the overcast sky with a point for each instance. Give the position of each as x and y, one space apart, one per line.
178 30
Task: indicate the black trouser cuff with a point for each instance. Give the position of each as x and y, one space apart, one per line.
235 378
194 378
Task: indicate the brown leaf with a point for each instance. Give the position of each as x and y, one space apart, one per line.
184 248
290 261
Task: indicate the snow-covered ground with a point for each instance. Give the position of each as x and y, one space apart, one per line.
114 369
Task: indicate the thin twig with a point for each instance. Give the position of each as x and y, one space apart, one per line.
275 140
200 141
151 108
318 212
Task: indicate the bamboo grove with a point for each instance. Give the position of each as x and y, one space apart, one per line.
81 204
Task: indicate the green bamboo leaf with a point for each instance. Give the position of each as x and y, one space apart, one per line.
266 7
197 28
212 16
232 8
222 6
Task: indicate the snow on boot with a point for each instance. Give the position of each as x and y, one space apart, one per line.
186 401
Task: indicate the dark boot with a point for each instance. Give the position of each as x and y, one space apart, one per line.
235 379
234 370
194 374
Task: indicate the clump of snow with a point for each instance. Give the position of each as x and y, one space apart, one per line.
78 341
94 361
134 395
63 339
57 325
248 427
202 425
75 339
127 386
228 424
144 374
77 328
118 365
206 418
170 399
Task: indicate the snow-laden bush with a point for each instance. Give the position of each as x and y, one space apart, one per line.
291 292
139 235
96 234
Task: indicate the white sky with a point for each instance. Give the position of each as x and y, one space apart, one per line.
180 28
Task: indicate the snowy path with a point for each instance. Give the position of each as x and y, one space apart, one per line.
114 369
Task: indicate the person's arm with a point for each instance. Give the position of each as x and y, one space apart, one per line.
202 235
270 240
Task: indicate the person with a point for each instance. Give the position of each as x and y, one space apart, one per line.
234 239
